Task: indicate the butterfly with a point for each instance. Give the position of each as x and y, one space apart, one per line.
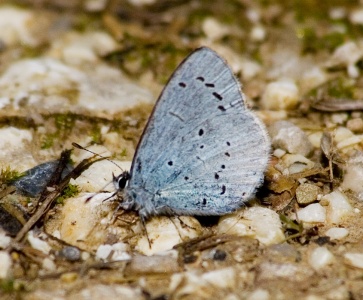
202 152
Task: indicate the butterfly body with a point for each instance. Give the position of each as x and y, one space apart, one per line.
202 152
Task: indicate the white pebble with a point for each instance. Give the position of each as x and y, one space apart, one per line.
280 95
79 48
141 2
14 138
289 137
48 264
341 134
214 30
313 213
164 233
258 33
259 294
37 243
4 239
337 233
355 124
354 140
260 223
339 118
338 208
14 24
279 153
337 13
352 179
95 5
222 278
315 138
354 259
320 257
347 54
103 252
312 78
295 163
356 16
5 264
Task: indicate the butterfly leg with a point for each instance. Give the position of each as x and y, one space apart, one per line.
143 219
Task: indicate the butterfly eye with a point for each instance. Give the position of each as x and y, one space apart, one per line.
121 180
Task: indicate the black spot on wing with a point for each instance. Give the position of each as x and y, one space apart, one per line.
218 96
223 189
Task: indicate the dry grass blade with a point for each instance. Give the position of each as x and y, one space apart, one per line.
333 105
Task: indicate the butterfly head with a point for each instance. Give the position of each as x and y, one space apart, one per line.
121 180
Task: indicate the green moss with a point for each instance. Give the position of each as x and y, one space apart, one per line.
313 43
70 191
96 134
7 174
47 141
7 286
340 88
64 122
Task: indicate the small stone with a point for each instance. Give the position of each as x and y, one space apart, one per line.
356 16
48 264
165 232
69 277
37 243
214 30
295 163
307 193
339 118
167 263
337 233
5 264
313 78
287 136
337 13
258 33
71 253
259 294
14 24
260 223
347 54
338 208
115 252
341 134
4 239
349 142
355 125
280 95
320 257
354 259
353 172
315 139
222 278
279 153
313 213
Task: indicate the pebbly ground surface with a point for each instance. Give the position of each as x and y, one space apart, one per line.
90 71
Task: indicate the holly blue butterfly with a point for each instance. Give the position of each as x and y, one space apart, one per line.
202 152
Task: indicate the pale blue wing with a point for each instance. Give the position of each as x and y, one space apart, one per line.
202 152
